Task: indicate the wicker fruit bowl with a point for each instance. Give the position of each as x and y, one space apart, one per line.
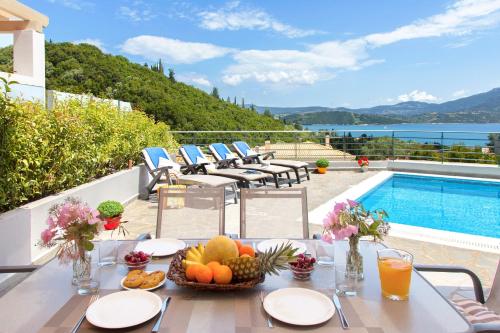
177 274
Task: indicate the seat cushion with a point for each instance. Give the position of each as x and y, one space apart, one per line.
475 312
288 163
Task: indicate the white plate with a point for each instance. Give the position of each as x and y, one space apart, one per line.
123 309
299 306
271 244
161 246
147 289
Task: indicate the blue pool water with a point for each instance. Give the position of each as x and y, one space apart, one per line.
459 205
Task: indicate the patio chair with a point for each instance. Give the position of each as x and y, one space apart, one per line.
226 158
184 211
197 162
166 171
274 213
484 315
249 156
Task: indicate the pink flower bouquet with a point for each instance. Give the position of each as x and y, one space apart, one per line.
350 219
72 225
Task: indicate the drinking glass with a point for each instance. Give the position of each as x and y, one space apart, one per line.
345 285
395 267
325 253
108 252
89 284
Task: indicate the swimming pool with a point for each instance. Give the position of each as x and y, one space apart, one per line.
450 204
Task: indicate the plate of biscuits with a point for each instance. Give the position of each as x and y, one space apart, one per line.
144 280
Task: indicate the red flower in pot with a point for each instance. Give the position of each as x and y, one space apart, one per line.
363 161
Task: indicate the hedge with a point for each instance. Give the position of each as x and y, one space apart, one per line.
43 152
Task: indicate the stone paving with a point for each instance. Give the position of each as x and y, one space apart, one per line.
142 219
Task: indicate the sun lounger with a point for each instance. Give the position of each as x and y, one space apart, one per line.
196 162
249 156
166 171
225 157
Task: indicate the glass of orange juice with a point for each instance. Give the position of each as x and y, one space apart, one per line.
395 267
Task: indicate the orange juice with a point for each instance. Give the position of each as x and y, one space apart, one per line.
395 276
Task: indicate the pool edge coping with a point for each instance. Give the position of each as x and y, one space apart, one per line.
442 237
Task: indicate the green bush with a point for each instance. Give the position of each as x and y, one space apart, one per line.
322 163
44 152
110 208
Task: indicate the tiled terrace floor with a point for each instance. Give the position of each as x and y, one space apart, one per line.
142 219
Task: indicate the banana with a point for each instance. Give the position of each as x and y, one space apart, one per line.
186 263
194 250
201 248
192 256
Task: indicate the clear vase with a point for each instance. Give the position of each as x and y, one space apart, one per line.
81 268
354 261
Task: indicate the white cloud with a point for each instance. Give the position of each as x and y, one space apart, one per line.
73 4
233 16
92 41
136 11
194 78
172 50
417 96
459 93
322 61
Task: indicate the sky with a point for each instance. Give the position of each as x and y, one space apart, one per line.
354 53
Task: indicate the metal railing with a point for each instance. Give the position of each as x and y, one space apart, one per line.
348 145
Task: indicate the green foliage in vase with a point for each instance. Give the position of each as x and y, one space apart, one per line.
110 208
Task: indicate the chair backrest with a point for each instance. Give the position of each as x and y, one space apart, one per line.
243 149
193 155
493 301
274 213
221 152
182 211
152 156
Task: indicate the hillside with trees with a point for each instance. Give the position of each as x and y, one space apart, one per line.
85 69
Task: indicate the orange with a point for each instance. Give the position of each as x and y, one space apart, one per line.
213 265
247 249
191 272
223 274
238 243
204 274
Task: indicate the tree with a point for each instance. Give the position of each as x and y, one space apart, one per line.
215 92
242 102
252 107
83 68
171 75
157 67
268 113
235 103
228 100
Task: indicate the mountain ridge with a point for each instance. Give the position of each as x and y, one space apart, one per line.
479 108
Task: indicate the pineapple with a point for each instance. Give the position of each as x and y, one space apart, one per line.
269 262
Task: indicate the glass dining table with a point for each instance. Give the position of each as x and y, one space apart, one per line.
47 302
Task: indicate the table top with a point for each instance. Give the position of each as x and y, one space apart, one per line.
47 302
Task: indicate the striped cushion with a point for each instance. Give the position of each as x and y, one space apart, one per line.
474 312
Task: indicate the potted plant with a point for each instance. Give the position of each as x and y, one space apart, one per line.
363 163
111 213
321 165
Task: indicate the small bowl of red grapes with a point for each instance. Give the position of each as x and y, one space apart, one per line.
302 267
137 260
